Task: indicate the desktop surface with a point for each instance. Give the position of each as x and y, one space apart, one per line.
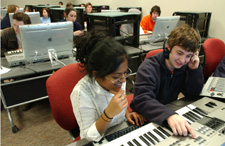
115 14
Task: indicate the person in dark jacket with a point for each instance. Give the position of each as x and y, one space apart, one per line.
162 77
71 15
5 23
10 37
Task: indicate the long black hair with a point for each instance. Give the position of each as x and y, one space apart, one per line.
100 53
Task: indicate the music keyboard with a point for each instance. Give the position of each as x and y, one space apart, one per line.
207 122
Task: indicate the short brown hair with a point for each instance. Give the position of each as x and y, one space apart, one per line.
88 4
184 36
12 8
21 16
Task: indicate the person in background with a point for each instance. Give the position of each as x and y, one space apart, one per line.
69 4
148 22
61 3
160 79
70 14
27 9
45 16
5 22
99 99
88 9
10 37
82 5
127 29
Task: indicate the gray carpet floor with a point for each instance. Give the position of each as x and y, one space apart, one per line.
36 127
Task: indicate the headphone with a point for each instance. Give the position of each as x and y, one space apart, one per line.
166 52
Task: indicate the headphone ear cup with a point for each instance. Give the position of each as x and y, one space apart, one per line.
165 50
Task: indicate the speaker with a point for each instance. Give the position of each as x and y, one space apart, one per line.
166 52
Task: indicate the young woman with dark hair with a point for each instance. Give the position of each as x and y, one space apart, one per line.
99 99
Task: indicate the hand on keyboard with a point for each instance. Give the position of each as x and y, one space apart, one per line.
180 126
135 118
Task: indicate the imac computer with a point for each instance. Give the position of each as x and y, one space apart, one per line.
34 17
163 27
38 39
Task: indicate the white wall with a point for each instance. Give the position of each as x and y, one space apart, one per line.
217 25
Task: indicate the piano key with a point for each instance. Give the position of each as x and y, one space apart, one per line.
188 119
130 144
159 133
149 139
136 142
153 136
200 111
164 131
195 115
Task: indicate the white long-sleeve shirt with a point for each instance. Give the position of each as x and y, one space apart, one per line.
89 100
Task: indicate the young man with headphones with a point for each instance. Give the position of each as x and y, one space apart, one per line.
162 77
148 22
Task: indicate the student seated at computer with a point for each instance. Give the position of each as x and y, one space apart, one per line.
10 37
88 9
27 9
45 16
99 99
162 77
5 22
70 14
128 29
61 3
148 22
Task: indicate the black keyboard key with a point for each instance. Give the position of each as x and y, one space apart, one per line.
196 116
136 142
159 133
153 136
188 117
130 144
144 140
201 112
193 117
163 131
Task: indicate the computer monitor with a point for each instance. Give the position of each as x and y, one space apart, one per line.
34 17
3 13
37 39
163 27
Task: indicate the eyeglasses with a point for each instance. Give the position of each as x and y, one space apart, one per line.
122 77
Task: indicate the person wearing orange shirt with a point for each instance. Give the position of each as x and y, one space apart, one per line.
148 21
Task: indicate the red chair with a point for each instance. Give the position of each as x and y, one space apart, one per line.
153 52
59 87
214 50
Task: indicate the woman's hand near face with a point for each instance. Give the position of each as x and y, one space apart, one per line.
117 104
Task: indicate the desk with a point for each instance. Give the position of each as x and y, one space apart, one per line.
28 85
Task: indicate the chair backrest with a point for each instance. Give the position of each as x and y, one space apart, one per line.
214 50
59 87
153 52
